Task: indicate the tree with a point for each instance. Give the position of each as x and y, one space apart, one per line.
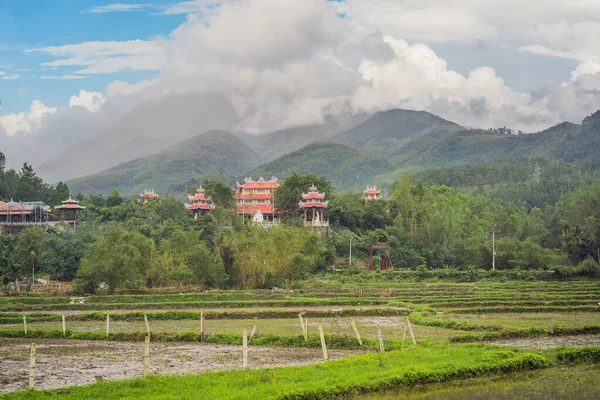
27 249
289 193
221 194
61 192
119 258
114 199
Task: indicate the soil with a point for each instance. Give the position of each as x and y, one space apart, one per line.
61 363
552 342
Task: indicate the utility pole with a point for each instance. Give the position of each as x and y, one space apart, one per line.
493 250
350 250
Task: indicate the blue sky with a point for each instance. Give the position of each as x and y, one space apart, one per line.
28 24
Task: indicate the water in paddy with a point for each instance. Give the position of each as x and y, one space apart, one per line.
580 382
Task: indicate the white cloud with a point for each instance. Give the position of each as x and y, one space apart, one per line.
64 77
91 101
106 57
13 124
116 7
6 77
577 41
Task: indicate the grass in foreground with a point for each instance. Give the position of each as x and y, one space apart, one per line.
423 364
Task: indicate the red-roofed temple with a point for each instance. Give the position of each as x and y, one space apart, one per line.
253 196
316 202
68 210
371 193
199 203
147 196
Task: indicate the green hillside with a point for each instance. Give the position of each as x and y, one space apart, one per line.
387 133
344 165
214 154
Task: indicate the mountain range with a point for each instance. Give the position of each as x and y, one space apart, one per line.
351 153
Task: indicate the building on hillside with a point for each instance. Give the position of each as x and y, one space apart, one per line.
68 210
199 203
147 196
253 196
315 201
372 193
23 212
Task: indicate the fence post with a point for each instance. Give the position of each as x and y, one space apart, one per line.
24 322
412 335
64 325
404 334
146 355
32 367
381 349
244 350
107 324
323 344
147 324
355 329
253 332
306 329
301 324
202 332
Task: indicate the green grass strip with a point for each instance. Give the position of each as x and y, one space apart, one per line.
351 376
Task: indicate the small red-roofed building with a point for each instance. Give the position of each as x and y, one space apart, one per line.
21 212
315 201
199 203
372 193
68 210
147 196
252 196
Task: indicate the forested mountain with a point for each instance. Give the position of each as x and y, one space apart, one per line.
386 133
344 165
214 154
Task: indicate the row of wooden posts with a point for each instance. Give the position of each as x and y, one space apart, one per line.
245 338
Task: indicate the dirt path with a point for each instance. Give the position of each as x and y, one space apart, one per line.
552 342
61 363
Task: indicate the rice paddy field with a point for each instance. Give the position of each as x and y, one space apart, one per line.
517 316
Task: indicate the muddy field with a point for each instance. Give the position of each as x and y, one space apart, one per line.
61 363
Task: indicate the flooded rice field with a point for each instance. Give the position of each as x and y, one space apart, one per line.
579 382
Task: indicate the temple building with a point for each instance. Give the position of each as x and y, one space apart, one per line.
199 203
371 193
13 211
68 210
315 201
147 196
253 196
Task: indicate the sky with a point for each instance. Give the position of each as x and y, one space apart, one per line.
66 65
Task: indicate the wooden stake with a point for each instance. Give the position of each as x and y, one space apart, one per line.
412 335
404 335
302 326
107 324
147 324
381 349
25 323
323 344
202 332
253 331
64 325
355 329
146 355
306 329
32 367
245 350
